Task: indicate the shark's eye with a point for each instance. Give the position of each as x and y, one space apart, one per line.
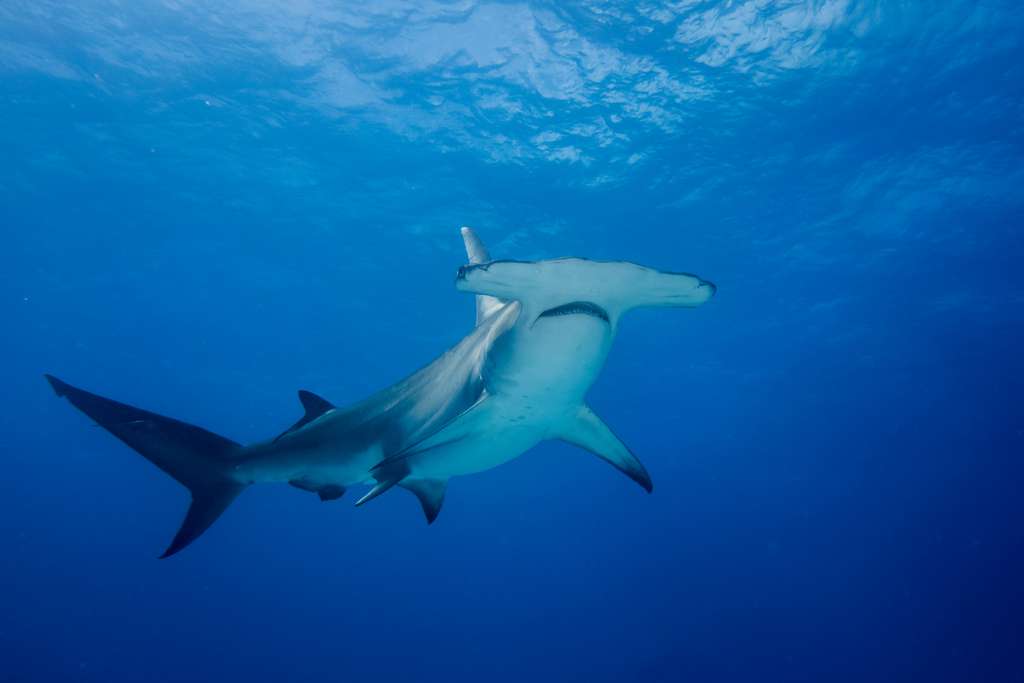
464 271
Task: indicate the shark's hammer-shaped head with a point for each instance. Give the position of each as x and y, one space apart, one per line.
581 286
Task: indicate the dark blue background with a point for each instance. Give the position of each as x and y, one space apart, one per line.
836 439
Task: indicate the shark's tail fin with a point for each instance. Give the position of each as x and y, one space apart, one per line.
198 459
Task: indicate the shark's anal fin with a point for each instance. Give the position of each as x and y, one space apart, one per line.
330 492
430 493
586 430
476 252
324 491
314 406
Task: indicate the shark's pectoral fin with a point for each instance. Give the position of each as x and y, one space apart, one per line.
453 431
430 492
387 475
381 487
586 430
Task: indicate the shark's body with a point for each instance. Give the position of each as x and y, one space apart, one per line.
520 377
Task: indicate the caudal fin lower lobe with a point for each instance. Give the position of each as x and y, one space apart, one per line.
197 458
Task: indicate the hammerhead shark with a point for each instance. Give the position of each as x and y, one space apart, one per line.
543 331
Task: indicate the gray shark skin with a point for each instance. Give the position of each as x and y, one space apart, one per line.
543 331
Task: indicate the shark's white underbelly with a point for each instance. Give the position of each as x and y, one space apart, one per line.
505 429
535 377
538 380
326 465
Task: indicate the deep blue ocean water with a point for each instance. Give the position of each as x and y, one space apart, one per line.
206 206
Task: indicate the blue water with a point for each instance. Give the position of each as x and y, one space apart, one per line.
206 206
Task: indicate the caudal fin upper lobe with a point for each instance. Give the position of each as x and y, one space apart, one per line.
200 460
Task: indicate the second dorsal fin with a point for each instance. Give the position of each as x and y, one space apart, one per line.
314 405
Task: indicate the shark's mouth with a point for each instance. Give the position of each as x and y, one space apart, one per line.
576 308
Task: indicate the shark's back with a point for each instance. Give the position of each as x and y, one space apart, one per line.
399 416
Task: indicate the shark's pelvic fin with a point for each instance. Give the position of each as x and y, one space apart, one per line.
586 430
198 459
477 253
430 493
314 405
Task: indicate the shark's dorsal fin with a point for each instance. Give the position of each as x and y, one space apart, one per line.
477 253
586 430
314 405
